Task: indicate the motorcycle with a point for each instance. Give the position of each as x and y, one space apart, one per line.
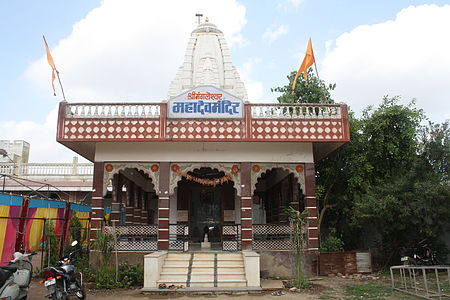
15 277
62 280
422 255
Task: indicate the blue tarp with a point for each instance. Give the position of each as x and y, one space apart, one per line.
80 208
10 200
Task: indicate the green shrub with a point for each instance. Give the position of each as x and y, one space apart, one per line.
105 244
332 243
105 278
129 275
51 245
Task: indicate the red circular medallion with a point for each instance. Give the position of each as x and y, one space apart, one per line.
175 167
299 168
235 168
154 168
109 168
256 168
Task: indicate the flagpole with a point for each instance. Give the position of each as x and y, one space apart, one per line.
60 84
315 67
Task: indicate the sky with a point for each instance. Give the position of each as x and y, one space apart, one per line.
130 50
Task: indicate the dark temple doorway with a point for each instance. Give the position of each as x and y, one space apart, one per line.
204 208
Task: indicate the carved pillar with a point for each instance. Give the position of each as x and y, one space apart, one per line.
246 207
294 200
137 205
116 199
311 206
144 205
129 210
163 206
97 199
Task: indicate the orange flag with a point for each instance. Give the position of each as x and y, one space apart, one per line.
52 64
307 62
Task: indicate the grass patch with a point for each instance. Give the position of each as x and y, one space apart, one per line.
325 297
367 291
373 290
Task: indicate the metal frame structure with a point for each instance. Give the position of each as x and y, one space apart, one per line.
422 281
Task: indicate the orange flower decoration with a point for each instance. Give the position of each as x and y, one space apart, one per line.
154 168
256 168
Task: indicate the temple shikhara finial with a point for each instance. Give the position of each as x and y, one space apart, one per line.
199 16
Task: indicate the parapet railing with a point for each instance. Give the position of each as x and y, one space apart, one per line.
296 111
47 169
113 110
154 110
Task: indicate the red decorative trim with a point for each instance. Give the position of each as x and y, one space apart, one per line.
299 168
256 168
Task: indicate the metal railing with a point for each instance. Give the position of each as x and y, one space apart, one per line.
178 237
428 282
134 237
231 237
113 110
272 237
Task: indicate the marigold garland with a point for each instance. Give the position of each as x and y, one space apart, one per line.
210 182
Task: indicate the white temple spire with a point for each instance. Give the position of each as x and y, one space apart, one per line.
207 62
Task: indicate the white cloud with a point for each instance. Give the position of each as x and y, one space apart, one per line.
272 34
408 56
121 51
254 88
131 50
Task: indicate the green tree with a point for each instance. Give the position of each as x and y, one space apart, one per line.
435 148
391 182
311 90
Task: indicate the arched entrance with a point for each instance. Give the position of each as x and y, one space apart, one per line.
275 190
205 208
133 198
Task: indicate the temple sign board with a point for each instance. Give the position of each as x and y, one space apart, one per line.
205 102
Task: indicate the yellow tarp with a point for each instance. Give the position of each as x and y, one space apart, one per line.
37 226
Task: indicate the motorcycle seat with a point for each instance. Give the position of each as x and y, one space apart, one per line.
9 268
4 275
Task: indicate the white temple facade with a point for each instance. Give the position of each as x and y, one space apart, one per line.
205 162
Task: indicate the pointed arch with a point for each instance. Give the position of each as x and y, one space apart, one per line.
117 167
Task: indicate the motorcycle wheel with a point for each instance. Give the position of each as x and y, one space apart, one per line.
81 293
58 295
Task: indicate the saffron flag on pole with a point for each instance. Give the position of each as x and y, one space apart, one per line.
52 64
307 62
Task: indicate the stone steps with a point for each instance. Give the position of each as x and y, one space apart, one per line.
204 269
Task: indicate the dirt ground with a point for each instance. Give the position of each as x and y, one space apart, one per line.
322 288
